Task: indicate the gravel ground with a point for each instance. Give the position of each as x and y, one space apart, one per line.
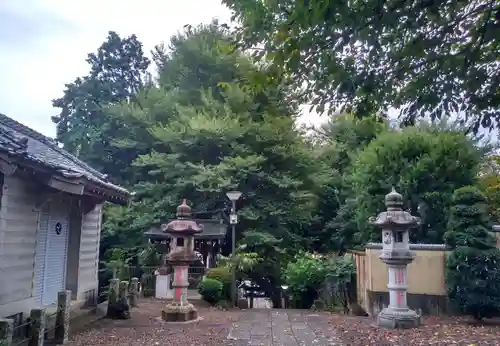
146 328
435 331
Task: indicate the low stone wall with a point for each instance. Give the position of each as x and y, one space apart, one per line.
426 284
429 304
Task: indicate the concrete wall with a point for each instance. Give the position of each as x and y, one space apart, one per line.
426 283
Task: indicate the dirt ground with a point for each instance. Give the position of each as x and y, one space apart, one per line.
146 328
435 331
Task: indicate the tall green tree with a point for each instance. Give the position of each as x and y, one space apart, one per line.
229 129
472 273
426 57
203 58
117 73
207 150
196 62
425 164
338 142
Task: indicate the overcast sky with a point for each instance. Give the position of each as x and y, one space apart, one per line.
44 43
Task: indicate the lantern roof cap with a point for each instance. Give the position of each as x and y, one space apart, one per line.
394 200
183 225
183 210
395 217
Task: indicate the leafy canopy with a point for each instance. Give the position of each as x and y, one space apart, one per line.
425 164
425 57
196 138
117 73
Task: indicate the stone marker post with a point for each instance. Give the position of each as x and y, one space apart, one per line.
6 331
123 290
123 305
62 317
395 224
113 291
37 330
134 292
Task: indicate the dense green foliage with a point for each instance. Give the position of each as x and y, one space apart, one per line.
210 290
425 57
472 269
308 277
426 164
340 280
223 275
213 119
117 73
489 182
469 222
304 277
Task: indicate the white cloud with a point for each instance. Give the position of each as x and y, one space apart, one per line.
50 49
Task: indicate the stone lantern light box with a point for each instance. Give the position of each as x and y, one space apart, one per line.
396 254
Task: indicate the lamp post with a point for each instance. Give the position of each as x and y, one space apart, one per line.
233 221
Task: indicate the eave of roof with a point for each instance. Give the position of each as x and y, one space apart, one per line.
16 147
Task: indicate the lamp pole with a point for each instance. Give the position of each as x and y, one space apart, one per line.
233 221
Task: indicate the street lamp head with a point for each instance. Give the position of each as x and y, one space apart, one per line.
233 195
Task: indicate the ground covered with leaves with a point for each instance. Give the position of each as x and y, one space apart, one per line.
435 331
146 328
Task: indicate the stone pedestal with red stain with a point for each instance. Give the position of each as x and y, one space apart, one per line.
396 253
182 231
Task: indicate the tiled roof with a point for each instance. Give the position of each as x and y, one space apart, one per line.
11 143
20 139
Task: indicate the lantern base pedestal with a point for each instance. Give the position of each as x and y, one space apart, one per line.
398 318
179 313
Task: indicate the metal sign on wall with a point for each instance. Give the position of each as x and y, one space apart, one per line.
58 228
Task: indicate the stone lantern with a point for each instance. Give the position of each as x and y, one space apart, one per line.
396 253
181 254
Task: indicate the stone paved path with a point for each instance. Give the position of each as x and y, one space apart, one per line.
282 328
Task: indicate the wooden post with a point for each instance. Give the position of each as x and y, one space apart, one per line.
62 318
134 292
6 331
252 295
37 330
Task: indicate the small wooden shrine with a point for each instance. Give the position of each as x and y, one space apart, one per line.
208 243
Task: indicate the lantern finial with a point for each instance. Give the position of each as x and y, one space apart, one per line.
183 210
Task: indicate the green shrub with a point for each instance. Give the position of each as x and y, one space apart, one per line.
222 274
340 280
468 221
473 281
304 277
473 267
210 290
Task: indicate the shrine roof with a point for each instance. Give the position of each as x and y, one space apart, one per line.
29 148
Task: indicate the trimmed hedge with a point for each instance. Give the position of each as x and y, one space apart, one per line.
210 290
223 275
